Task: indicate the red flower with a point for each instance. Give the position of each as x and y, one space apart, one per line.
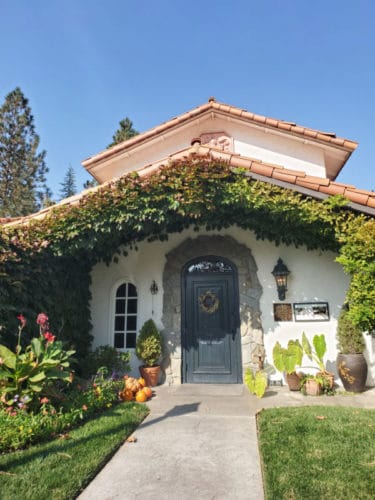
42 319
44 401
21 318
49 337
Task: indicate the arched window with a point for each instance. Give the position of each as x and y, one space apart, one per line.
125 322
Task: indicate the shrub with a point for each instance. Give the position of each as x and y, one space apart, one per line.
19 428
148 347
107 357
350 338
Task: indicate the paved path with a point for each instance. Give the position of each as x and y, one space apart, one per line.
199 442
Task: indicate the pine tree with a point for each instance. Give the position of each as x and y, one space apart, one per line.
22 167
68 186
90 184
126 131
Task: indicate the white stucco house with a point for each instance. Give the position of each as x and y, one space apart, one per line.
212 293
183 283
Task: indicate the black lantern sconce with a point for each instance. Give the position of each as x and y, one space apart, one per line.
154 288
280 273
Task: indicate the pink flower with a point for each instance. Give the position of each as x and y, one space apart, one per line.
44 401
42 319
84 407
49 337
21 318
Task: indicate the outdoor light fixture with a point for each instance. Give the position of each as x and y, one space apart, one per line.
280 273
154 288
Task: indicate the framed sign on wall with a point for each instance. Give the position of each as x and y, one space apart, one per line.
311 311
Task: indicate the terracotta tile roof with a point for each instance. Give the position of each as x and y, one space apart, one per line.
327 138
267 172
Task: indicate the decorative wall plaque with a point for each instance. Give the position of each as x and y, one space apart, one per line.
282 312
218 140
311 311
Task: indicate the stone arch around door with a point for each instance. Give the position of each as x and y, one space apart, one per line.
250 290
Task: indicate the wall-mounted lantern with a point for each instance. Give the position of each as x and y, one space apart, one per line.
280 273
154 288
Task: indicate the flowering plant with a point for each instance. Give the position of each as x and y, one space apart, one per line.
24 376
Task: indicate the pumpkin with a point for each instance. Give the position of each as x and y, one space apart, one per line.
142 382
132 384
141 396
148 392
126 395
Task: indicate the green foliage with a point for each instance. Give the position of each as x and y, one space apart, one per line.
22 168
358 259
287 359
20 428
108 357
190 193
68 186
126 131
148 347
257 384
26 375
350 338
317 353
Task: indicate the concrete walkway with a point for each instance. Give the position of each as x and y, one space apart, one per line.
199 442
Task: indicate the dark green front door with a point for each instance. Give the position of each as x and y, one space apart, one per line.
211 343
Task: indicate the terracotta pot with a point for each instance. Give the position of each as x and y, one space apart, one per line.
352 369
312 387
150 374
293 381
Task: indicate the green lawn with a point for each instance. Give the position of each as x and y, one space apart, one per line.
319 452
59 469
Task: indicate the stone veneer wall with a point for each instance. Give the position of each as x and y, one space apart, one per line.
250 290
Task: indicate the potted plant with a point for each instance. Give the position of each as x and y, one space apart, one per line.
312 385
351 363
286 359
148 349
316 352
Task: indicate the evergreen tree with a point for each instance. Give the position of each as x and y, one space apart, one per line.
68 186
90 184
22 168
126 131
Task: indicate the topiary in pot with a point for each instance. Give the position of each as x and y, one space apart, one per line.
351 363
148 349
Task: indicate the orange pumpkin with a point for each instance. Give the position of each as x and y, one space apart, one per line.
141 396
127 395
148 392
132 384
142 382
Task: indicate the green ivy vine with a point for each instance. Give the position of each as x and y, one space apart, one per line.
205 194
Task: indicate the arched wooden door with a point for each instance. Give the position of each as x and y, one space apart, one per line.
210 322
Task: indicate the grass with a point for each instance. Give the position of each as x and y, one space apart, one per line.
60 469
317 453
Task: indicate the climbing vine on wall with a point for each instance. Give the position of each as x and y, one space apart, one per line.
200 193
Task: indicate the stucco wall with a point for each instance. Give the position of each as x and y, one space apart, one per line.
314 277
268 146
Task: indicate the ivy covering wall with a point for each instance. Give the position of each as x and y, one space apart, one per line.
45 263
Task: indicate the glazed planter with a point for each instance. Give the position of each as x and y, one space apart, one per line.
352 369
150 374
293 381
312 387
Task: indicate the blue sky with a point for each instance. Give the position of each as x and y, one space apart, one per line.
86 64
